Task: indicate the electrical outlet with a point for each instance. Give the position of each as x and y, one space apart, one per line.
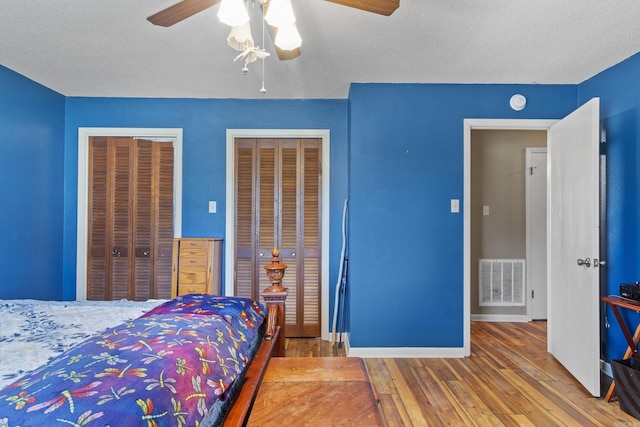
485 210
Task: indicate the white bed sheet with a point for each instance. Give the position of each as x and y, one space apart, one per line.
33 331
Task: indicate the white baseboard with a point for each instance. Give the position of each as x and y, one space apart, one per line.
402 352
499 318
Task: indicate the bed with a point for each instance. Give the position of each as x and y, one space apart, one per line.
196 360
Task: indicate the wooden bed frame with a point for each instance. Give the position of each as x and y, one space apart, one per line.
271 346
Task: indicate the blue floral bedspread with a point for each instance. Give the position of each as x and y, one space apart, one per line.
167 367
32 331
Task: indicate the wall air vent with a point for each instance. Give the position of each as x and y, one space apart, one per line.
502 282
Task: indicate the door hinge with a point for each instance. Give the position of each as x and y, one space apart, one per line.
533 293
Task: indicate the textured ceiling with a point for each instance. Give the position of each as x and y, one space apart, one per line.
108 48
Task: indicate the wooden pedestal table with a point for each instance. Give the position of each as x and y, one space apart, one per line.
315 391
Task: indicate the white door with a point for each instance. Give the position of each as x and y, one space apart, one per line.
573 244
536 184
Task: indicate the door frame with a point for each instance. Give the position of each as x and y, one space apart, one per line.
229 252
84 133
530 273
489 124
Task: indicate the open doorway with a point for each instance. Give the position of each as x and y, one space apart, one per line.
503 270
469 271
573 210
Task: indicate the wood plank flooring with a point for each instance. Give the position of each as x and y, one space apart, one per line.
509 380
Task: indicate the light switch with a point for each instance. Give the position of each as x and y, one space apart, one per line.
485 210
212 206
455 205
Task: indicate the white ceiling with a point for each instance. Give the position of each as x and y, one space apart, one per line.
108 48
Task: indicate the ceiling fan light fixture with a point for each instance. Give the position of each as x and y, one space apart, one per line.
288 38
240 37
280 13
233 13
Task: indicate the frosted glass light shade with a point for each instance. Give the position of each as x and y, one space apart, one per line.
288 38
233 13
240 37
280 13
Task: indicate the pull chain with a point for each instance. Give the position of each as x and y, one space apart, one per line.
263 91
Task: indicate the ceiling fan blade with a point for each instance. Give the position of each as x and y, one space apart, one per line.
180 11
382 7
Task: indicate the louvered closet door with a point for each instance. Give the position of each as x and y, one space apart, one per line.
130 218
278 205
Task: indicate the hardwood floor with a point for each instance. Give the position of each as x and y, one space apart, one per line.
309 347
509 380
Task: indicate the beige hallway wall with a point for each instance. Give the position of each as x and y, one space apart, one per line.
498 181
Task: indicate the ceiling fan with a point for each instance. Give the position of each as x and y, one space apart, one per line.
187 8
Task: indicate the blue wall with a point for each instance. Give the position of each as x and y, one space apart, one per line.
396 150
619 92
406 248
31 153
204 123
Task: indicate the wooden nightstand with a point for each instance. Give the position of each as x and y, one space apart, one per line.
197 266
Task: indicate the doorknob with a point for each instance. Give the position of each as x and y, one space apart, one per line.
586 262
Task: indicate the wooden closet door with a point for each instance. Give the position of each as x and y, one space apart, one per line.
309 219
255 214
278 205
130 218
153 218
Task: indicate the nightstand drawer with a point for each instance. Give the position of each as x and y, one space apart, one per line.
187 262
192 288
192 276
193 251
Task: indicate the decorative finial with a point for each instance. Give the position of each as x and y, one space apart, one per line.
275 272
